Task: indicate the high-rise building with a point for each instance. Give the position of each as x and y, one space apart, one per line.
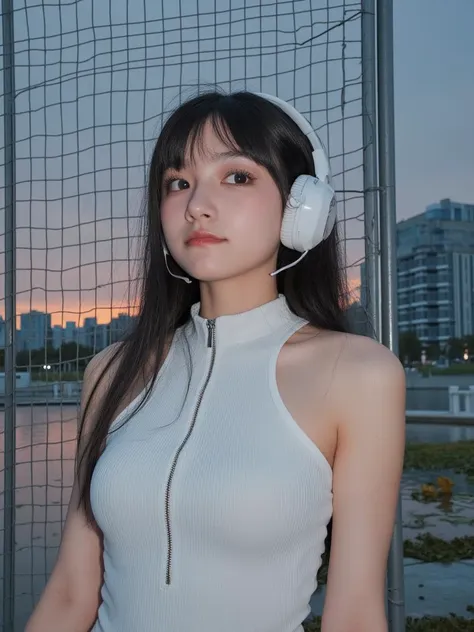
120 325
93 335
35 328
101 337
70 332
86 333
435 265
57 335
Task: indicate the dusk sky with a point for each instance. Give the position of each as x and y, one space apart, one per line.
434 102
77 220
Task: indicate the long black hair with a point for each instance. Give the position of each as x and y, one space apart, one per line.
314 289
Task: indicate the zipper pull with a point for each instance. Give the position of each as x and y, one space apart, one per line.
211 325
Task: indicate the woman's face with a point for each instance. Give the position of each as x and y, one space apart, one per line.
230 197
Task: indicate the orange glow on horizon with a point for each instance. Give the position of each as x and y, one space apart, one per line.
62 313
354 290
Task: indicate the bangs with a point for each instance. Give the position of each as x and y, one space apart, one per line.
242 125
186 143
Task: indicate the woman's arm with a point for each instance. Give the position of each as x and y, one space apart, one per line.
367 472
72 595
71 598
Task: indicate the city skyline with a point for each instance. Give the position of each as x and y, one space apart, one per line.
86 320
104 314
37 332
78 227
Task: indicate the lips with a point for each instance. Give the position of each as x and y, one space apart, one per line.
202 238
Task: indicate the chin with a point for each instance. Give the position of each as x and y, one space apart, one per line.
229 274
212 277
209 271
215 269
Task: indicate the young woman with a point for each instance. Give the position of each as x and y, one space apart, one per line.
220 438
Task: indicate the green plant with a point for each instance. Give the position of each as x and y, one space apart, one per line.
422 624
428 548
458 456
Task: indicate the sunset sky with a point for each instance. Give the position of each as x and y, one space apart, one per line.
86 126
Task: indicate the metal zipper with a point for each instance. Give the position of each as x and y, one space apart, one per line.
211 343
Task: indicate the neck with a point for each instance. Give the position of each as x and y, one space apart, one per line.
231 296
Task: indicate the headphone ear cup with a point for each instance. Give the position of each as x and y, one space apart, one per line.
331 221
309 214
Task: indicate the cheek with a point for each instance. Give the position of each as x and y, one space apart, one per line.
261 219
171 219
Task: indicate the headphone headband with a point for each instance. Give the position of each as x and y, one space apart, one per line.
321 162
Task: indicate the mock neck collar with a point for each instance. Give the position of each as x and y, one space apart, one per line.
246 326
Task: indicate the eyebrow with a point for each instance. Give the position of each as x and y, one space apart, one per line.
221 156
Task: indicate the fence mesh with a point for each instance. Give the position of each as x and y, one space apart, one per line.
93 83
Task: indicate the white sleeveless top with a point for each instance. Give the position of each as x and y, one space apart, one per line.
212 501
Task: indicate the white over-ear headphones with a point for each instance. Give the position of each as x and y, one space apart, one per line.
310 212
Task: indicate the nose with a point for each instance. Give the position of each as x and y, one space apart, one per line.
199 205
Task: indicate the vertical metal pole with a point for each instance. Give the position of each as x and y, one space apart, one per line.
388 242
10 316
369 135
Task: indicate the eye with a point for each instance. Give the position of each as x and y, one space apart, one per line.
239 177
175 184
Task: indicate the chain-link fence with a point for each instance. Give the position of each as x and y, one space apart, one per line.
92 83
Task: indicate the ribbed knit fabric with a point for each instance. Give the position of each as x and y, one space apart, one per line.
213 502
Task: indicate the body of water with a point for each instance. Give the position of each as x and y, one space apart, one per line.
46 443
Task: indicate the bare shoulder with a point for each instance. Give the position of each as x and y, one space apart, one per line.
359 350
363 358
358 368
101 370
97 378
99 363
370 382
353 352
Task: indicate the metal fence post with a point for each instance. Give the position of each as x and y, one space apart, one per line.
369 136
388 295
10 316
